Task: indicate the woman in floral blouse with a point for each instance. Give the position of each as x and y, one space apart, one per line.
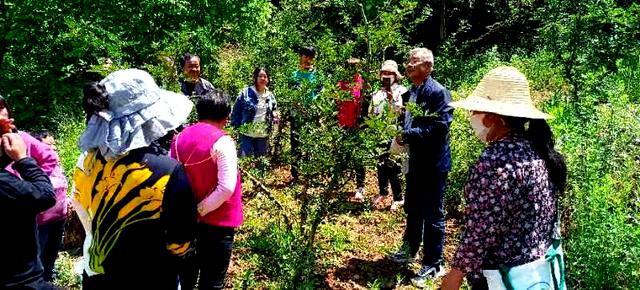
512 190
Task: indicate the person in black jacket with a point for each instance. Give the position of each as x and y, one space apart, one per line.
134 201
20 202
426 131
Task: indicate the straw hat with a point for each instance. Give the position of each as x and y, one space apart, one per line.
504 91
391 66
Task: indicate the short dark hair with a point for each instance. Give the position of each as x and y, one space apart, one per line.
5 105
186 57
308 51
41 134
257 71
214 106
95 99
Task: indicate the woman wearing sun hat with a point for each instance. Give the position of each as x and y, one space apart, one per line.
135 202
388 101
512 190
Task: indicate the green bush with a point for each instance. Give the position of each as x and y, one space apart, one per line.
67 143
583 64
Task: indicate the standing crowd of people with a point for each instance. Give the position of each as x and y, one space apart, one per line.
160 199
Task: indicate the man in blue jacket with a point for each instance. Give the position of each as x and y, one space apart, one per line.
20 202
426 131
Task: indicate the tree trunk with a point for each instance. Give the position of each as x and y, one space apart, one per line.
73 232
443 21
4 23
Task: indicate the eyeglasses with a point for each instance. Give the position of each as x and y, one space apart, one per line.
410 66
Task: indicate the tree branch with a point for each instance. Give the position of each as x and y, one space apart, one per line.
271 196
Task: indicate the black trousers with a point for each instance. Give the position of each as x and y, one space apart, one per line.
38 284
424 205
389 173
211 261
50 241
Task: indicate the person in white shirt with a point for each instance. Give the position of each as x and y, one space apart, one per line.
387 102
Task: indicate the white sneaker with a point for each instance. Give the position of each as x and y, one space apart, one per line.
426 274
401 257
378 199
359 196
397 205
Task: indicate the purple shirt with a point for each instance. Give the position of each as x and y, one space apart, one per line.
510 211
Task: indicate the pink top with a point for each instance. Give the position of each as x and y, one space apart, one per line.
348 111
210 160
49 162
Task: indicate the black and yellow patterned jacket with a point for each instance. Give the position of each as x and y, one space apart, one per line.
139 214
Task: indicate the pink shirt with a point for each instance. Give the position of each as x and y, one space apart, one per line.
211 163
49 162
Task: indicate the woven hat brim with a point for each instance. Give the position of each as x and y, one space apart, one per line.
473 103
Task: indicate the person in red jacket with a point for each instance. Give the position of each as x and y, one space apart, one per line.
349 115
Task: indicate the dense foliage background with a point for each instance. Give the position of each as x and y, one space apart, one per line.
582 59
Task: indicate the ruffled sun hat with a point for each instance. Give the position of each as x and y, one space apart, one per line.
139 113
390 66
504 91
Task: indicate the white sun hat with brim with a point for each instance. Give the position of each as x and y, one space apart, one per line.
390 66
139 113
504 91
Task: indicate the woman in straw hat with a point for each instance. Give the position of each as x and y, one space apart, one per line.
512 190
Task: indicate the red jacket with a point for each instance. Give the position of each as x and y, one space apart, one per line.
349 111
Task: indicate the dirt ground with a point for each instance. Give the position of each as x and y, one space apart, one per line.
374 231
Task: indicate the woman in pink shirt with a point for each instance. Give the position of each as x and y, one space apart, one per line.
211 162
349 116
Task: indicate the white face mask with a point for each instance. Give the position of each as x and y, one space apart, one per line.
478 127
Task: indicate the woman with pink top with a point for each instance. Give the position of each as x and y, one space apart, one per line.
211 162
350 117
51 221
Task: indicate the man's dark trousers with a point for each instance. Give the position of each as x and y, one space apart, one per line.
424 205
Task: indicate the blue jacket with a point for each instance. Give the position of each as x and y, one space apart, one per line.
244 110
428 135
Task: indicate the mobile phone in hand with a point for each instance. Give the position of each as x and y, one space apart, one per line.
386 83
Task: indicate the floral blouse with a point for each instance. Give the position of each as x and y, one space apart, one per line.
511 208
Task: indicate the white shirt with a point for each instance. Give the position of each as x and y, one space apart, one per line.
259 120
261 107
380 101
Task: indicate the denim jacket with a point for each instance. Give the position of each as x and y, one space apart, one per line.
244 109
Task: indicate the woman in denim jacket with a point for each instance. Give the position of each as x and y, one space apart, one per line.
254 114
